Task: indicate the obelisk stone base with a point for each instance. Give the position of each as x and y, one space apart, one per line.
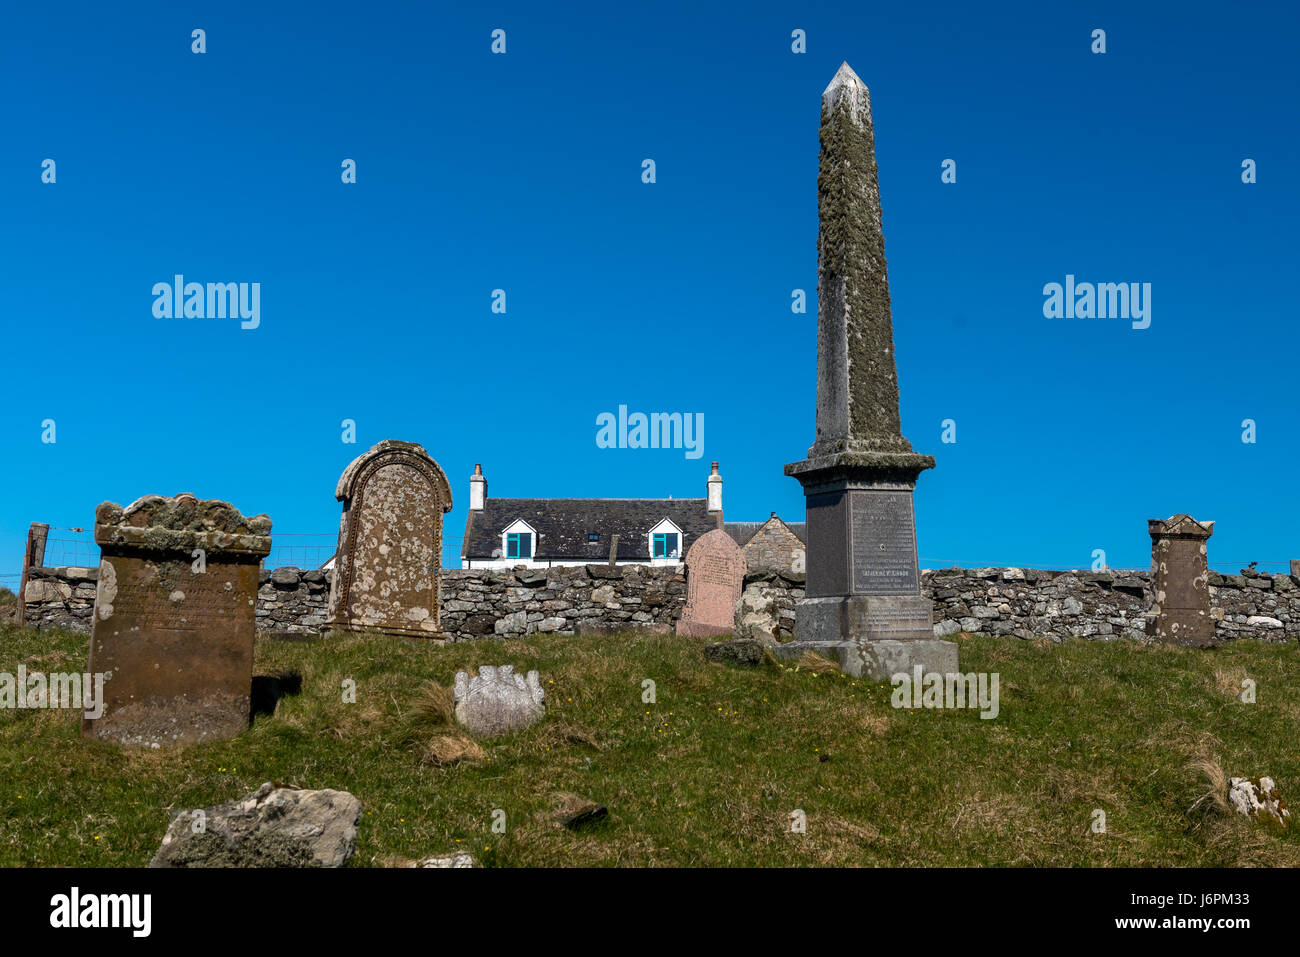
881 659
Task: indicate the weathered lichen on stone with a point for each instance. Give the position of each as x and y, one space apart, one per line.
182 522
496 700
390 542
1259 798
1180 609
862 580
174 618
857 394
272 827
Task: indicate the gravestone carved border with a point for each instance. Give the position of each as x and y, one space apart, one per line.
351 491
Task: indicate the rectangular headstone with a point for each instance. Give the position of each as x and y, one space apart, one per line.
175 608
715 573
1180 608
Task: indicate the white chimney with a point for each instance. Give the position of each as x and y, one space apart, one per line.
715 490
477 489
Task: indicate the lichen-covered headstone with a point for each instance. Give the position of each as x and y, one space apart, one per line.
496 700
1180 607
390 542
174 618
715 572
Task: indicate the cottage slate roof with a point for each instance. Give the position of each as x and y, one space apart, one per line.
563 524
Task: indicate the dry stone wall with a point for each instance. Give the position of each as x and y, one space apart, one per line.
1018 602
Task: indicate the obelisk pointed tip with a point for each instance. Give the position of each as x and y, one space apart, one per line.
846 83
845 74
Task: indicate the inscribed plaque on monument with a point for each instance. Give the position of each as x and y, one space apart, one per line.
715 573
884 543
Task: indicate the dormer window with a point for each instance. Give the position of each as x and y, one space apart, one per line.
665 545
664 542
519 541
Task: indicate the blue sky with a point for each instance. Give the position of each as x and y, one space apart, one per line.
522 172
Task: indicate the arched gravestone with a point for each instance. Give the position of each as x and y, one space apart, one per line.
390 542
715 572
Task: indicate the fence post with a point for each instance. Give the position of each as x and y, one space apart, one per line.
33 557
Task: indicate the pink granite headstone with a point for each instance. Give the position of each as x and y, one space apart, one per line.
715 572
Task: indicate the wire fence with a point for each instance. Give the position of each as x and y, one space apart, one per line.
305 550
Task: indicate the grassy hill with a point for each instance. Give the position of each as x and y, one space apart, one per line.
710 773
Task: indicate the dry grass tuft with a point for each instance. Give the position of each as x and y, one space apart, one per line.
1227 681
435 707
811 661
565 732
449 749
1204 763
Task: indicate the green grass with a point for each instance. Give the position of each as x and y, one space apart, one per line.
709 774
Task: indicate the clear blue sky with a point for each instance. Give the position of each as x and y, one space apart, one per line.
523 172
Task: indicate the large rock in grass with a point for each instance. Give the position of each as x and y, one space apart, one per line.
745 652
272 827
496 700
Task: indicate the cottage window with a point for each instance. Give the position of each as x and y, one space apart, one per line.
519 545
665 545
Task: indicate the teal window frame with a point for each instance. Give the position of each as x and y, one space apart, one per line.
660 547
513 542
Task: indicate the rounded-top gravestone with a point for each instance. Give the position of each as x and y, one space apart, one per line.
715 573
390 542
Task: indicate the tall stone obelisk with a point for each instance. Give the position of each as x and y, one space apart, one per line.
863 605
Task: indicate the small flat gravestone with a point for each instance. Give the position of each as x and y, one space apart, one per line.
175 608
390 542
1180 609
715 572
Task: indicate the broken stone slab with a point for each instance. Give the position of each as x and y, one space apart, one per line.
1259 798
574 811
272 827
448 860
746 652
496 700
